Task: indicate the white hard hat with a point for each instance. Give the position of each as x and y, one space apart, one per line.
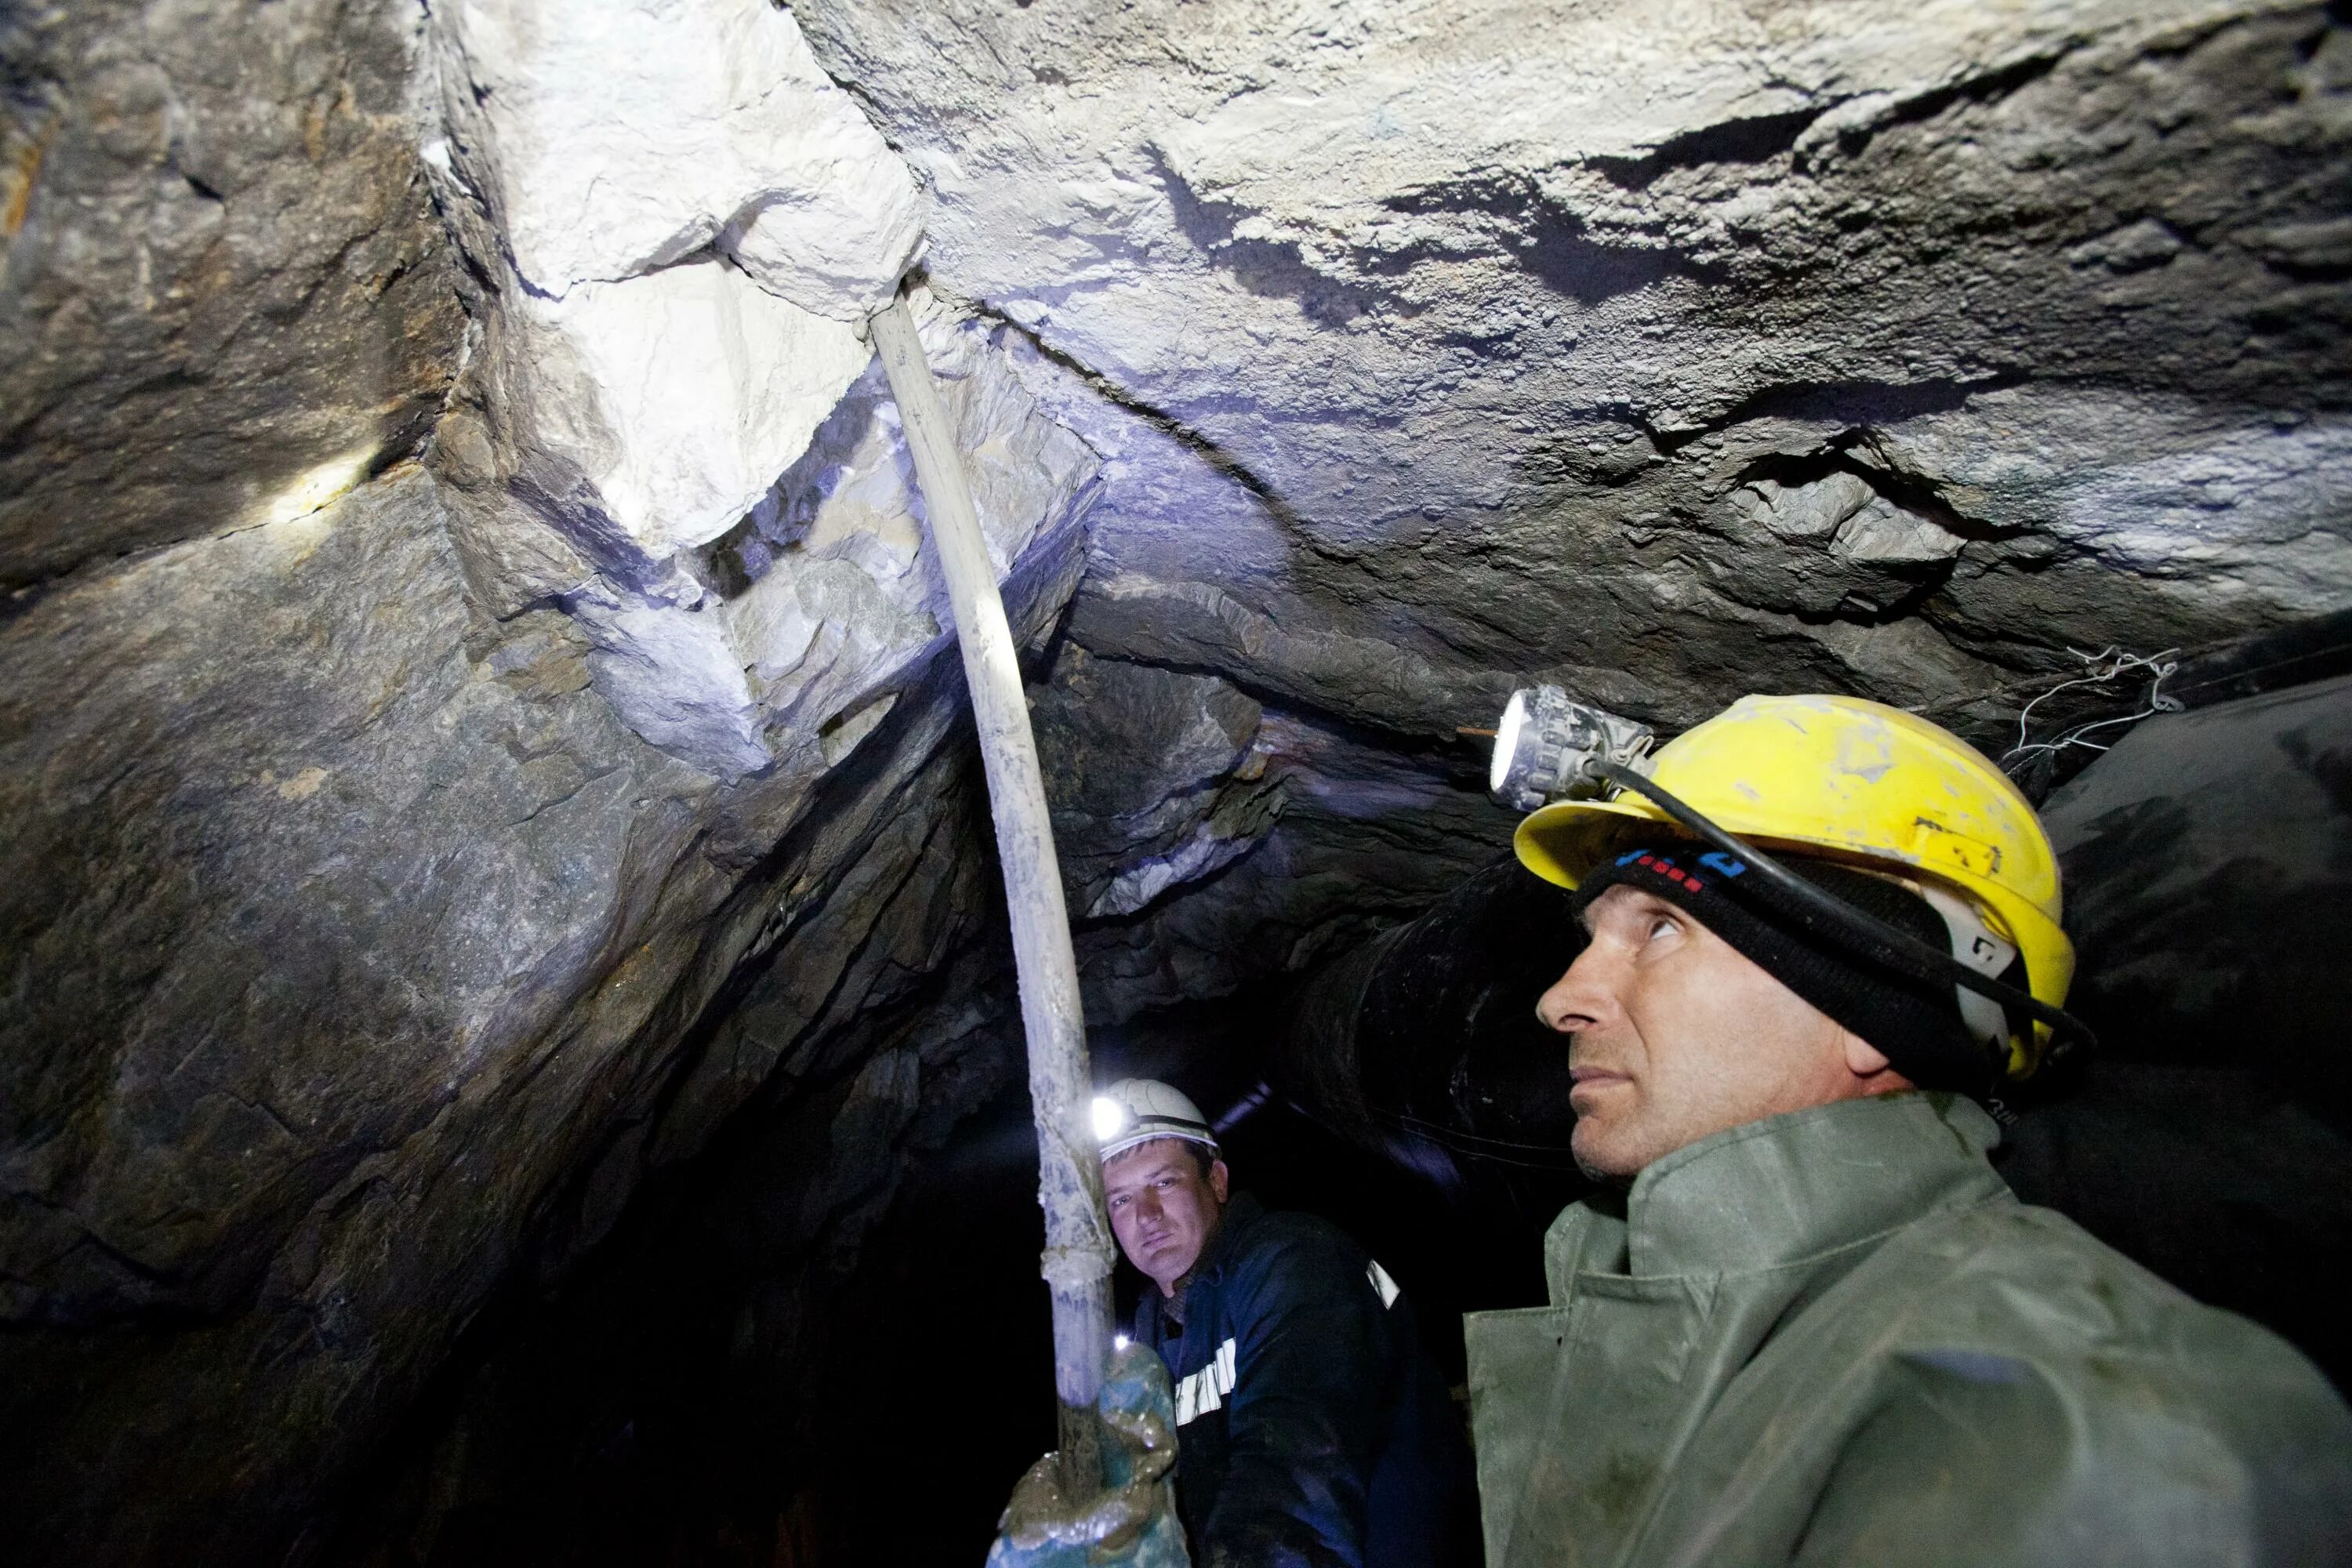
1137 1110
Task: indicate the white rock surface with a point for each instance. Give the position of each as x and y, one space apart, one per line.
691 389
614 137
686 223
1444 329
805 616
690 223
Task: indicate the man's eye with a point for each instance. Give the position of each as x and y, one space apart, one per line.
1659 926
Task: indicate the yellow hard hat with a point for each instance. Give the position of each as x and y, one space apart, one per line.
1844 779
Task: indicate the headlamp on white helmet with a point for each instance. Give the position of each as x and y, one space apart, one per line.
1138 1109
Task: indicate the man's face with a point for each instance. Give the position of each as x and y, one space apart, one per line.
1162 1208
1675 1035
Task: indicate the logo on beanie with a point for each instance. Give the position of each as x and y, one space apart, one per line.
1714 860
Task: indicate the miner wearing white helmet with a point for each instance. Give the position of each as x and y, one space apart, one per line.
1312 1427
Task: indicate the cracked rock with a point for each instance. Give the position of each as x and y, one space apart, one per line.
1414 312
1151 776
758 154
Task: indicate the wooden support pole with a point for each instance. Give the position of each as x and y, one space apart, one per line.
1078 1249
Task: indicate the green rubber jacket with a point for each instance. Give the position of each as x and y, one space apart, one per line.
1834 1336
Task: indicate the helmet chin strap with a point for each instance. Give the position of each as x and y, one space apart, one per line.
1883 943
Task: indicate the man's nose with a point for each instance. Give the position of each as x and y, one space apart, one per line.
1580 998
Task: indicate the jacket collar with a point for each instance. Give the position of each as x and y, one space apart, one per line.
1790 1188
1241 1212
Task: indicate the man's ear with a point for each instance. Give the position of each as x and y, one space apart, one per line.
1868 1063
1220 1181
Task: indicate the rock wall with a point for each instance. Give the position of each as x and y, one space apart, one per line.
1666 352
470 629
225 296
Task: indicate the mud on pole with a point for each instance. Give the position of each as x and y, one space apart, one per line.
1078 1253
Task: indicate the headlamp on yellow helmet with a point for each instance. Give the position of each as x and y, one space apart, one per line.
1541 744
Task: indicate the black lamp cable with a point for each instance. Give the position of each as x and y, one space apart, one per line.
1898 950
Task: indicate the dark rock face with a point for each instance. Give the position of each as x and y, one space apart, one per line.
372 933
304 712
356 945
2209 866
1211 842
1171 792
226 294
684 1393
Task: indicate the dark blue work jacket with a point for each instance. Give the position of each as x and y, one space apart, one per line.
1313 1430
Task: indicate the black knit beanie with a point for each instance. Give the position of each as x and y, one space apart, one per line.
1915 1023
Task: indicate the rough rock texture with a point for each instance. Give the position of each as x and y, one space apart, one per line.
1168 795
1892 356
224 298
1671 350
609 140
680 222
1898 356
1361 837
388 849
355 943
778 645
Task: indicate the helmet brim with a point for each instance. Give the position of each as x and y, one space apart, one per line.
1139 1137
1564 841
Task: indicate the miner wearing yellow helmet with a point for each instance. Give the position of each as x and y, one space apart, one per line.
1804 1321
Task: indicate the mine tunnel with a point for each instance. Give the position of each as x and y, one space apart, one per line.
511 1049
